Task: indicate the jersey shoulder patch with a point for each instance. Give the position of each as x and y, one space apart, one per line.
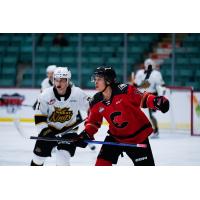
123 86
120 89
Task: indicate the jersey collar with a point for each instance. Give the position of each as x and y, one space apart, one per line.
66 95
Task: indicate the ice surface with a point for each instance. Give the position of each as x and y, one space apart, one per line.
170 149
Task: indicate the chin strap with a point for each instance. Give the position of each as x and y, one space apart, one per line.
105 88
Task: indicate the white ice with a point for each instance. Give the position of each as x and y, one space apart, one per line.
170 149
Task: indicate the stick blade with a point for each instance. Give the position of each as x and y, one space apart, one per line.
16 122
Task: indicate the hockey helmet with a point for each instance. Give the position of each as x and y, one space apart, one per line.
62 72
51 68
107 72
148 62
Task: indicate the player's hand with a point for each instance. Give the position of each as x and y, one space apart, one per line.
145 84
161 103
79 139
46 132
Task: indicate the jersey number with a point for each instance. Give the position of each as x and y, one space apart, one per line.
116 120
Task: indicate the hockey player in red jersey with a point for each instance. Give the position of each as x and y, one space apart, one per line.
120 105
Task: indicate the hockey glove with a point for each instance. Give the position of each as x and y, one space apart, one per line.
161 103
79 139
145 84
46 132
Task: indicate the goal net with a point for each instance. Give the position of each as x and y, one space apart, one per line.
184 113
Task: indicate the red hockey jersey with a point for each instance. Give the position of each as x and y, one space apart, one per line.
127 122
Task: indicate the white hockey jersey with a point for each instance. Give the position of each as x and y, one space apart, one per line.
59 112
155 80
46 83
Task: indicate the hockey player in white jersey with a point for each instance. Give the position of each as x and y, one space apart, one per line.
48 82
154 84
56 111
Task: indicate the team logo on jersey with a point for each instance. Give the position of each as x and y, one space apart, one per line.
52 101
61 115
117 120
122 86
119 101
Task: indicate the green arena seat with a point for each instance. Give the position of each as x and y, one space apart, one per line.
53 60
96 60
12 50
68 60
9 69
195 61
40 60
54 51
7 81
10 60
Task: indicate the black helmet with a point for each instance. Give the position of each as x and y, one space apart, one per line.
107 72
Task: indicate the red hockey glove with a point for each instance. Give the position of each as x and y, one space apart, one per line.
161 103
79 140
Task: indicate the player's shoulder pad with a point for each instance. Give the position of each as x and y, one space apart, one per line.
140 71
96 98
120 89
76 89
156 71
44 81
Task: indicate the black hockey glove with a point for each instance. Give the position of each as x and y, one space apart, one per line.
161 103
46 132
79 139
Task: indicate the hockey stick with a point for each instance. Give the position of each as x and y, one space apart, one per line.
71 128
19 128
115 144
148 73
89 142
22 133
26 105
149 70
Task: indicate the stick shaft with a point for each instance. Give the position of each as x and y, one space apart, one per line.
149 70
71 128
89 142
115 143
